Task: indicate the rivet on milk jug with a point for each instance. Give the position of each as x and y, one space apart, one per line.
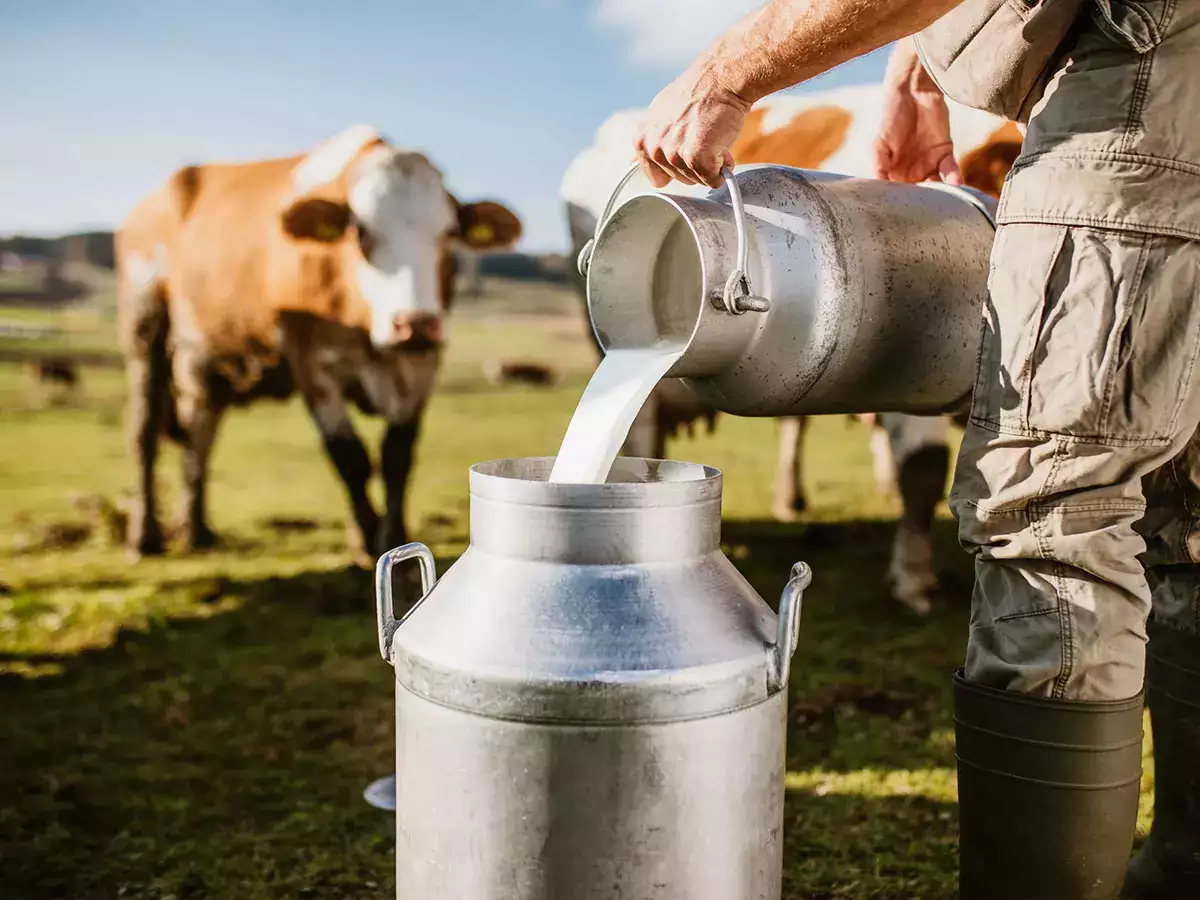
591 702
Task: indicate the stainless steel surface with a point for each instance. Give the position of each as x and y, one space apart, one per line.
385 609
494 810
736 297
875 291
788 630
590 703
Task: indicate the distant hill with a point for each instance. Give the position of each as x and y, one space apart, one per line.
551 267
96 248
93 247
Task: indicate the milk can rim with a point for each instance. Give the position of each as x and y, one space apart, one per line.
489 480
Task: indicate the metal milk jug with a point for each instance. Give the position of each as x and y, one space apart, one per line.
799 292
590 703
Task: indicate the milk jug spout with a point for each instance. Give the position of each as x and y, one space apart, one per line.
793 292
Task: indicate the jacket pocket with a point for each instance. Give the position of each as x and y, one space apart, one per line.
1138 26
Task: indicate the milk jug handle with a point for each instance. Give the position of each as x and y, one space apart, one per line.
737 296
384 607
788 627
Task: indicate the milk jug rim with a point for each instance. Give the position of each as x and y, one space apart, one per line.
633 482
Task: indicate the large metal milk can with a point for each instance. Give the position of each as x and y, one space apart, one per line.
793 292
590 703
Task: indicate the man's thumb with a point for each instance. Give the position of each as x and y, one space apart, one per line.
949 171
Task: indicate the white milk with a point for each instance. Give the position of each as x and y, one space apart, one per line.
626 376
619 387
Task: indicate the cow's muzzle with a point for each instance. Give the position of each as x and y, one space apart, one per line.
417 331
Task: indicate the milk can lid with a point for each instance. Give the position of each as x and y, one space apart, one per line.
513 635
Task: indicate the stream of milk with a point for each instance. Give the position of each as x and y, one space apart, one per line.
611 401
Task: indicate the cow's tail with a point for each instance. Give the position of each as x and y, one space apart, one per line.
155 331
144 326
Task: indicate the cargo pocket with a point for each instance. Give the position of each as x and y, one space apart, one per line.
1087 333
1114 357
1138 26
1024 260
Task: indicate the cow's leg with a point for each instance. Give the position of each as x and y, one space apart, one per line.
788 499
646 439
198 415
395 464
346 451
919 446
147 374
883 464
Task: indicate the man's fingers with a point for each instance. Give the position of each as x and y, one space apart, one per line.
948 170
666 161
703 169
653 173
710 173
653 161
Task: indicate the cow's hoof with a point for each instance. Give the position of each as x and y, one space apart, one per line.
149 544
783 514
789 512
913 596
917 604
363 540
194 539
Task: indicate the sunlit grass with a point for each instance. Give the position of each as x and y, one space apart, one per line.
203 726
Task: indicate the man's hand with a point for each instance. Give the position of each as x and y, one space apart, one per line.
914 140
691 126
687 131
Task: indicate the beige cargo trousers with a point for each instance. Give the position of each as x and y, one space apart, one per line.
1078 483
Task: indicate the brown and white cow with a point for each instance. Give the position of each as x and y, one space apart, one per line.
327 273
833 131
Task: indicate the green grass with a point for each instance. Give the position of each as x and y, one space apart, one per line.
203 726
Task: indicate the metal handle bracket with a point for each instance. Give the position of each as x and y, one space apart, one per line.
384 605
737 297
788 628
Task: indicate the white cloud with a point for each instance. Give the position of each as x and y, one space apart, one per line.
669 33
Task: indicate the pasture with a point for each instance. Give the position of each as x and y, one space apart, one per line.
203 726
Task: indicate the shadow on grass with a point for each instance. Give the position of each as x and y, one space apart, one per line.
225 756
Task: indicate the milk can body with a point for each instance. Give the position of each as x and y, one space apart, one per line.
591 702
869 293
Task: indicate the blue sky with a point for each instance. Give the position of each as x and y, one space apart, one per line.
102 100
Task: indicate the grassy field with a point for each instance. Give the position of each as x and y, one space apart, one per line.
203 726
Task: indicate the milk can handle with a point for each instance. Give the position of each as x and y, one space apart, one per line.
384 608
737 297
788 629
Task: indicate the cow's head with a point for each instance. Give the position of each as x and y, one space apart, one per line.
389 210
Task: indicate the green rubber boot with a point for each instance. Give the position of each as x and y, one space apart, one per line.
1168 865
1047 794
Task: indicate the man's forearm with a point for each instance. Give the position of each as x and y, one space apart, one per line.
790 41
904 69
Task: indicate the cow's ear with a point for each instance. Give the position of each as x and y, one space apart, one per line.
316 219
487 225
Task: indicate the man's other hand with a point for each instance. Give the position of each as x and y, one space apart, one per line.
687 132
914 140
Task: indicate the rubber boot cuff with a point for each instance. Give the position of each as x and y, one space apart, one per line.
1168 865
1048 794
